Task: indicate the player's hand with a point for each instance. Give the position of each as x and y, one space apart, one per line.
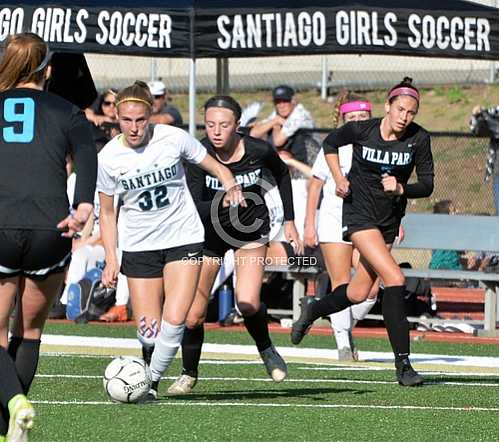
400 236
342 187
234 197
110 273
310 238
292 237
76 220
390 184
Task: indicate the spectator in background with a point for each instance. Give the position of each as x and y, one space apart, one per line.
162 111
102 114
282 128
485 122
445 259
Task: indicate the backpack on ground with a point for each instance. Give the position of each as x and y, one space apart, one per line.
88 298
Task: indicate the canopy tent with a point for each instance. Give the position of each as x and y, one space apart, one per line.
236 28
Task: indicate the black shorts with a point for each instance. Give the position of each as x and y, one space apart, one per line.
33 253
389 232
215 246
150 264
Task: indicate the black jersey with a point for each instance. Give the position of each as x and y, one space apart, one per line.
38 130
259 158
372 157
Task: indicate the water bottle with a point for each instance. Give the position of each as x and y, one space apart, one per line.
225 301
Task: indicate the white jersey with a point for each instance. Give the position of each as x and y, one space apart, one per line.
158 211
330 215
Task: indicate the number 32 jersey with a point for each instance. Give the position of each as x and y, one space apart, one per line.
37 130
158 211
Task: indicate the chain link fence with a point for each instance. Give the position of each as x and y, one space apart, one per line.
359 72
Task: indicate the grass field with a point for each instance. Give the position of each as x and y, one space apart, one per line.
235 400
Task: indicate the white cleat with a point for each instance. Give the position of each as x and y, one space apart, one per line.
274 363
20 423
183 385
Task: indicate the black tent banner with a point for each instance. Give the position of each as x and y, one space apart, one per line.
216 28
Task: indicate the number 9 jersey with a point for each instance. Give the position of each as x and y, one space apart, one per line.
37 131
158 211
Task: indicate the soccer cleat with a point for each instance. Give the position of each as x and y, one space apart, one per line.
406 375
21 420
301 326
147 354
345 354
274 363
183 385
152 394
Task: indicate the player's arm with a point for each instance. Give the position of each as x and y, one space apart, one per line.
233 192
164 118
314 191
109 235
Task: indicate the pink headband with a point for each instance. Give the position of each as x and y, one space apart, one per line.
404 91
354 106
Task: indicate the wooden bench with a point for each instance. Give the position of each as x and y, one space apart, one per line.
427 232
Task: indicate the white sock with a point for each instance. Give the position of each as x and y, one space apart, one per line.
225 271
165 349
341 323
122 293
359 311
76 269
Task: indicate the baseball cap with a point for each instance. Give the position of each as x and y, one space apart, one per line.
157 87
283 92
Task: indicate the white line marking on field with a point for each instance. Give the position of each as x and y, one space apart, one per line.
356 368
274 405
300 352
304 381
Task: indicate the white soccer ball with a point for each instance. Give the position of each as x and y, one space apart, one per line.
127 379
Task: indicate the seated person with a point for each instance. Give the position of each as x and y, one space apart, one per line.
282 127
162 111
445 259
102 114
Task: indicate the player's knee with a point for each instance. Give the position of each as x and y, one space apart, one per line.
247 309
358 296
194 321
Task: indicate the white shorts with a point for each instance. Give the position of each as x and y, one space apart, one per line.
330 225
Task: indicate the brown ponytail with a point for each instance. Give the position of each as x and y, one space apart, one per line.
25 60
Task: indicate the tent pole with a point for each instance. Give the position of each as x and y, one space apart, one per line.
324 78
192 96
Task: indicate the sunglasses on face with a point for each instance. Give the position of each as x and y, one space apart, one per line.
108 103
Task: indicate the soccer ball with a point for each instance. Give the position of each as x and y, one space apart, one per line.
127 379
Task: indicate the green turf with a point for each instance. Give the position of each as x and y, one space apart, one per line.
236 402
242 410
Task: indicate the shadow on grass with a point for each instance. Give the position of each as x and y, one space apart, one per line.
315 394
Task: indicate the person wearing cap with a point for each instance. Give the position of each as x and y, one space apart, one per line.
281 127
375 191
162 111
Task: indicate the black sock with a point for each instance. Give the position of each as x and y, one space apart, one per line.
334 302
4 421
25 353
258 328
396 322
9 382
191 350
